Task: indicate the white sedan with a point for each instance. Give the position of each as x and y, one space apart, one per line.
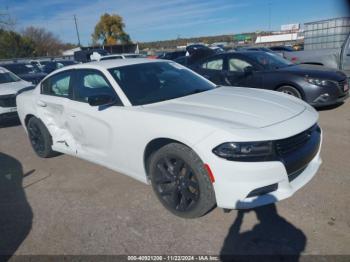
10 84
199 145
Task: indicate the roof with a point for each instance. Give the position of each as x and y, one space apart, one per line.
107 64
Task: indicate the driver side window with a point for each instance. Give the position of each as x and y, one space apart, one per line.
92 82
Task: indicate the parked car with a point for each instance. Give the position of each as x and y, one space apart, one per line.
10 84
199 146
336 58
56 64
317 85
281 48
120 56
172 55
256 48
26 71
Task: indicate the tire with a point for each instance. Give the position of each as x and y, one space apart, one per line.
40 138
290 90
181 182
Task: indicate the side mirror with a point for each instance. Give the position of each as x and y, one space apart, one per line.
100 100
248 70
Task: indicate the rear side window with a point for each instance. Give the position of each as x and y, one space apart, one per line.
237 65
216 64
92 82
57 85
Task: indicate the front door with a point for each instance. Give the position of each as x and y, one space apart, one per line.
93 127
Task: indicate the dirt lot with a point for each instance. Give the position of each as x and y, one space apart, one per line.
65 205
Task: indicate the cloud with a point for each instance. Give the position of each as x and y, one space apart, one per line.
145 19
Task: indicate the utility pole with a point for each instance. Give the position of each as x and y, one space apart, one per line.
76 28
269 4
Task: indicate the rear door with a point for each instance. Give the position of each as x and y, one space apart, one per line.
242 72
51 105
212 69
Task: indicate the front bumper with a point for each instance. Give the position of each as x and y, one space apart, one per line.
327 95
8 112
234 181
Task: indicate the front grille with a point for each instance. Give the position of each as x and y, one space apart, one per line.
8 101
284 146
297 151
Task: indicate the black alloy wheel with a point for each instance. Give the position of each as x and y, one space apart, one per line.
181 181
176 183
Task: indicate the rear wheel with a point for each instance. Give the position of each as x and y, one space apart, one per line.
181 182
40 138
290 90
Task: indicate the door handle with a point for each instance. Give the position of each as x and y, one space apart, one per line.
41 103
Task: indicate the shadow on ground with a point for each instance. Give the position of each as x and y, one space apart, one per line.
273 237
15 212
9 122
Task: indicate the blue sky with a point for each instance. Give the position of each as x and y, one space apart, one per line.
148 20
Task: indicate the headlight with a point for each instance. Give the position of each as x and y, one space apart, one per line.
316 81
245 151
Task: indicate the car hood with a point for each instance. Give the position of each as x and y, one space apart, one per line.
234 107
13 87
315 71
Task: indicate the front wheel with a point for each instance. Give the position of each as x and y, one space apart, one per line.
290 90
181 182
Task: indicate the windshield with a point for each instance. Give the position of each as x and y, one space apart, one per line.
158 81
269 60
8 77
22 68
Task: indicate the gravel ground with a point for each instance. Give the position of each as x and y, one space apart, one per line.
65 205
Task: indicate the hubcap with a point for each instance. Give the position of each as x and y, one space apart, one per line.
176 184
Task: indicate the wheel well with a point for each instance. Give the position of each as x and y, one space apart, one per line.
152 147
297 88
27 118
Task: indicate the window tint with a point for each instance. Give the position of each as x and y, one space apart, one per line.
89 83
153 82
237 65
216 64
57 85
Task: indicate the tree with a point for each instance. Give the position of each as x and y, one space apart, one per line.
110 30
45 42
13 45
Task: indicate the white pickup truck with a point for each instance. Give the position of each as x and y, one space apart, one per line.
338 58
